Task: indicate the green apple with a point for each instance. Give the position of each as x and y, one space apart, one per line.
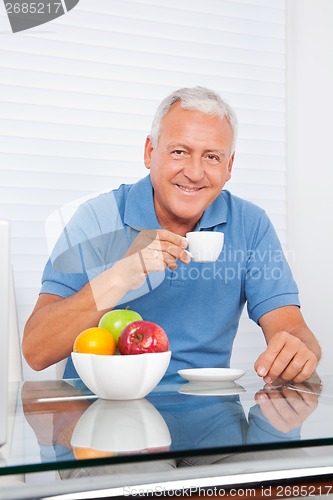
115 321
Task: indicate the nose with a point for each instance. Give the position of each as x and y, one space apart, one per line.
194 170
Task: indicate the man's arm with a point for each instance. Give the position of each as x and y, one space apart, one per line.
292 351
55 321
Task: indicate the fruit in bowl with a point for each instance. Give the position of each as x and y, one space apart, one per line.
121 377
116 320
95 341
143 337
143 360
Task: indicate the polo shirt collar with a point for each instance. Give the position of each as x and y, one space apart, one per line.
140 211
215 214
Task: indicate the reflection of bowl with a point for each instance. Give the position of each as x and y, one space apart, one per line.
211 388
121 377
121 427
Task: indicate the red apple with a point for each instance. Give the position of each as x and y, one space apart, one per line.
143 336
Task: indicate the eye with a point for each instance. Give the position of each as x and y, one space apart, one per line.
212 158
178 153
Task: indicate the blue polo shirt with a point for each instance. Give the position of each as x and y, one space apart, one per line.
199 304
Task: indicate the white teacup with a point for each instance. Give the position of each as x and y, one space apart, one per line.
205 246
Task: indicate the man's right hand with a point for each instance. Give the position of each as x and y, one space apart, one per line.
152 250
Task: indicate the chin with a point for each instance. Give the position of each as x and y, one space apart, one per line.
188 211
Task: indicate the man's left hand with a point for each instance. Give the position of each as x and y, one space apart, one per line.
286 357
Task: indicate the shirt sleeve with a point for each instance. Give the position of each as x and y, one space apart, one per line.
269 283
91 242
72 256
62 284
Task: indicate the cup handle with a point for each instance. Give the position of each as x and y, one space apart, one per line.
189 253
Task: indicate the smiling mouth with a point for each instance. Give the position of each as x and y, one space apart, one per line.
187 189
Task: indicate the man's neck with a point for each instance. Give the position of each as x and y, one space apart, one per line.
178 227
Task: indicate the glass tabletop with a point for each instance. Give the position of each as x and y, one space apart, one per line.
62 425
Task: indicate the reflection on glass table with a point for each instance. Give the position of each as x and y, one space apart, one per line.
175 420
231 432
120 427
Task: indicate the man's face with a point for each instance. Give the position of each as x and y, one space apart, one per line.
189 166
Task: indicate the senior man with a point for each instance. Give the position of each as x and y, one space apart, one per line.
128 247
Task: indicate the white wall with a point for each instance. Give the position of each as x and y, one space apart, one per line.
262 115
77 101
310 164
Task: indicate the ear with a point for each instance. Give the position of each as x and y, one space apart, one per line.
148 152
230 165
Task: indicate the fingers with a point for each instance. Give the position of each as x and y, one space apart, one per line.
161 249
277 411
286 357
301 366
154 250
285 408
169 237
172 247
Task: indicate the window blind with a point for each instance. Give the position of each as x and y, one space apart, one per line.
78 96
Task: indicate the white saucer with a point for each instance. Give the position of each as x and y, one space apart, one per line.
211 389
211 374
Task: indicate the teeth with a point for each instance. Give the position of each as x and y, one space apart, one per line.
188 190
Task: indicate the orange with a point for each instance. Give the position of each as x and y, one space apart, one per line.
95 341
84 453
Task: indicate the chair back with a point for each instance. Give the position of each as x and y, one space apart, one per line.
15 373
4 326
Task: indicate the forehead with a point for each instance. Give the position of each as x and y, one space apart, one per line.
195 126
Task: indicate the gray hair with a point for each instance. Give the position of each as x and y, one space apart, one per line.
198 99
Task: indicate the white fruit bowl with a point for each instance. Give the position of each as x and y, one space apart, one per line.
121 377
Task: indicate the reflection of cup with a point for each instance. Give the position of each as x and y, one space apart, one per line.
121 427
205 246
